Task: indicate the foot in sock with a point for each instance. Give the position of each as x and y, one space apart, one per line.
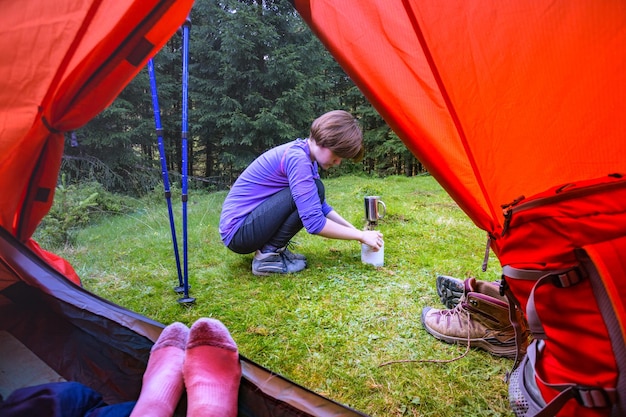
163 379
212 371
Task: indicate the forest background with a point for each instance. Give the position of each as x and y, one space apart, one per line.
257 78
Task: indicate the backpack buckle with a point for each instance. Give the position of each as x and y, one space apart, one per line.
594 397
568 278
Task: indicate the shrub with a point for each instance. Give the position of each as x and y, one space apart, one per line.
76 206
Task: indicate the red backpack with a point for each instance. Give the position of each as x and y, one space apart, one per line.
563 254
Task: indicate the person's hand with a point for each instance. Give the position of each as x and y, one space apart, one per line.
373 239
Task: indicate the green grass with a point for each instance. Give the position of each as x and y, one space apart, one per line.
330 327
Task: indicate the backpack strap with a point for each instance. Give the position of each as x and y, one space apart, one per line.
559 278
606 264
590 397
515 317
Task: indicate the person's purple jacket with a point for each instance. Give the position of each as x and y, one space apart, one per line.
287 165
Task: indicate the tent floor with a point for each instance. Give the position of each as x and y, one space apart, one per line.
20 367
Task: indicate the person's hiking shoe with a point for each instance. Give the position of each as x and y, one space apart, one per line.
450 290
275 263
481 318
291 255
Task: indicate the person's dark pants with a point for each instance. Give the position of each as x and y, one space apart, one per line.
61 399
273 223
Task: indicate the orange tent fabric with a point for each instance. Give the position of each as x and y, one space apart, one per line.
64 61
497 98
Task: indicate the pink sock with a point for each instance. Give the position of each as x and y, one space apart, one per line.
163 379
211 370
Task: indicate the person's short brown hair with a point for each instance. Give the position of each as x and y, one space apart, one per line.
340 132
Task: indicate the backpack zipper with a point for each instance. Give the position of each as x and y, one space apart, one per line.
562 193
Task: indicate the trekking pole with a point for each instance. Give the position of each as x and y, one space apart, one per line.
166 180
186 298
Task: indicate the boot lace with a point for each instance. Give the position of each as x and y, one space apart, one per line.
458 310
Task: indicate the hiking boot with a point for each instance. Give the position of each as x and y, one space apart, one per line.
450 290
481 318
275 263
